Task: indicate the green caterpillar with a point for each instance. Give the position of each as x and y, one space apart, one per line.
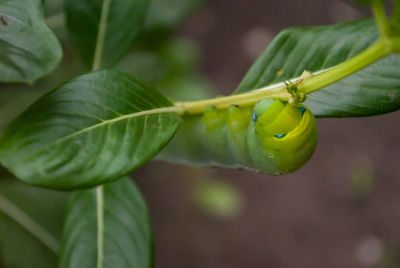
272 137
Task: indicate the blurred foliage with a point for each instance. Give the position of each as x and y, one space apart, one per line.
172 68
219 198
391 256
12 102
362 179
171 58
167 14
19 248
28 48
53 7
162 18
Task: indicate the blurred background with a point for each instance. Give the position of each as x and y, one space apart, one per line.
341 210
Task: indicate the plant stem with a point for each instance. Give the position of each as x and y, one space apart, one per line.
101 35
245 99
97 61
20 217
307 85
378 8
100 226
377 51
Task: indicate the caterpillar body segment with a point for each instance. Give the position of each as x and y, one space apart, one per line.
272 137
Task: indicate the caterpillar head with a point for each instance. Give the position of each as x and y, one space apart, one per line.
287 132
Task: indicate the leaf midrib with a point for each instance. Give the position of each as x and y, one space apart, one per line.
169 109
98 53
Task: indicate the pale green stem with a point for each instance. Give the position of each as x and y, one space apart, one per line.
306 85
23 219
97 61
245 99
101 35
377 51
100 226
380 16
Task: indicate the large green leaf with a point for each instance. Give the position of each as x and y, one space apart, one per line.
107 227
373 90
111 24
30 225
28 48
95 128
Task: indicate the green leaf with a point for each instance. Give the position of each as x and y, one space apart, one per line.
373 90
28 48
30 225
107 227
111 24
93 129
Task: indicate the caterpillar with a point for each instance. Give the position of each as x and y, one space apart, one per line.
271 137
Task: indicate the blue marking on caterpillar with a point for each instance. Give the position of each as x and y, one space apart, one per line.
280 136
303 110
254 117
